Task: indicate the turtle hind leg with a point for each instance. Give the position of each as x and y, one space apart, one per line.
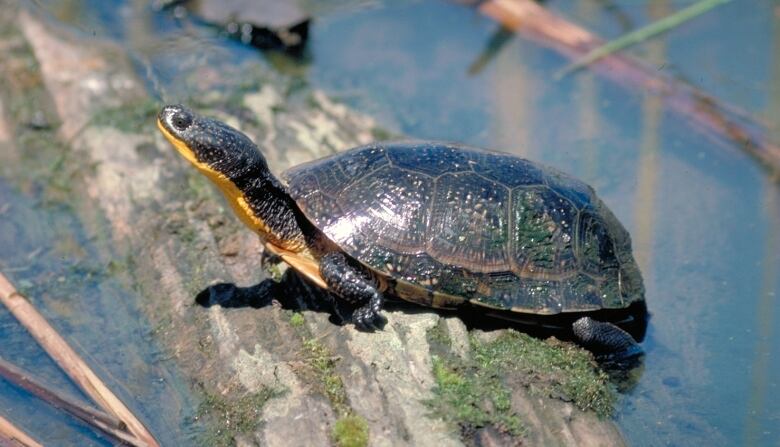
350 284
605 340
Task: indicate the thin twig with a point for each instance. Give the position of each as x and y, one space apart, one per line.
12 436
70 362
106 423
712 118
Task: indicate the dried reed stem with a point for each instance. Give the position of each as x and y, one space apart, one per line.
70 362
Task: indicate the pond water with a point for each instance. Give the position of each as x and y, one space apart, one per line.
705 217
51 257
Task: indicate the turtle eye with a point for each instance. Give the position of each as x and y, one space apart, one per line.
181 120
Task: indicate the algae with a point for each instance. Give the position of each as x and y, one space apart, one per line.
297 320
350 431
476 392
467 395
276 270
137 117
380 134
323 363
549 367
236 415
473 399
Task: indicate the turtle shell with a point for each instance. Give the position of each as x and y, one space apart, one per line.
445 224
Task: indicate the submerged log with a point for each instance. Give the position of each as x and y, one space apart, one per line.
264 24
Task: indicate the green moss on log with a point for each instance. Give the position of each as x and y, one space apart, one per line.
234 415
550 368
477 391
350 431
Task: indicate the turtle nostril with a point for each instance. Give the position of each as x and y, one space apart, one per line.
181 120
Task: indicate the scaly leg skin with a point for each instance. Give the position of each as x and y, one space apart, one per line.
351 285
605 340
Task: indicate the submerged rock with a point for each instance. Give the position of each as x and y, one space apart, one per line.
264 24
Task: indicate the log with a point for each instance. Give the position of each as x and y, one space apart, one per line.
12 436
69 361
726 123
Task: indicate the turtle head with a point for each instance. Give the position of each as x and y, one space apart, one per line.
213 147
235 165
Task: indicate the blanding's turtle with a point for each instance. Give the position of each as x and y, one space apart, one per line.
433 223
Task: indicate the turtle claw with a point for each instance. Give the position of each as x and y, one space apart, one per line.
368 318
364 317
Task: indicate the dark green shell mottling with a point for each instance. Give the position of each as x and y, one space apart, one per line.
485 227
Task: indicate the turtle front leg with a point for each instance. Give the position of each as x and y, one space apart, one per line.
605 339
350 284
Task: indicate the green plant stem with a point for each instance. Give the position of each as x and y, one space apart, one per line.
640 35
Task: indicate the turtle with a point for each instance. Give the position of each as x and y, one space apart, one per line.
438 224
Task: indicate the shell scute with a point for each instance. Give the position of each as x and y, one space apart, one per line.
390 205
364 161
468 222
578 193
543 226
433 159
507 170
